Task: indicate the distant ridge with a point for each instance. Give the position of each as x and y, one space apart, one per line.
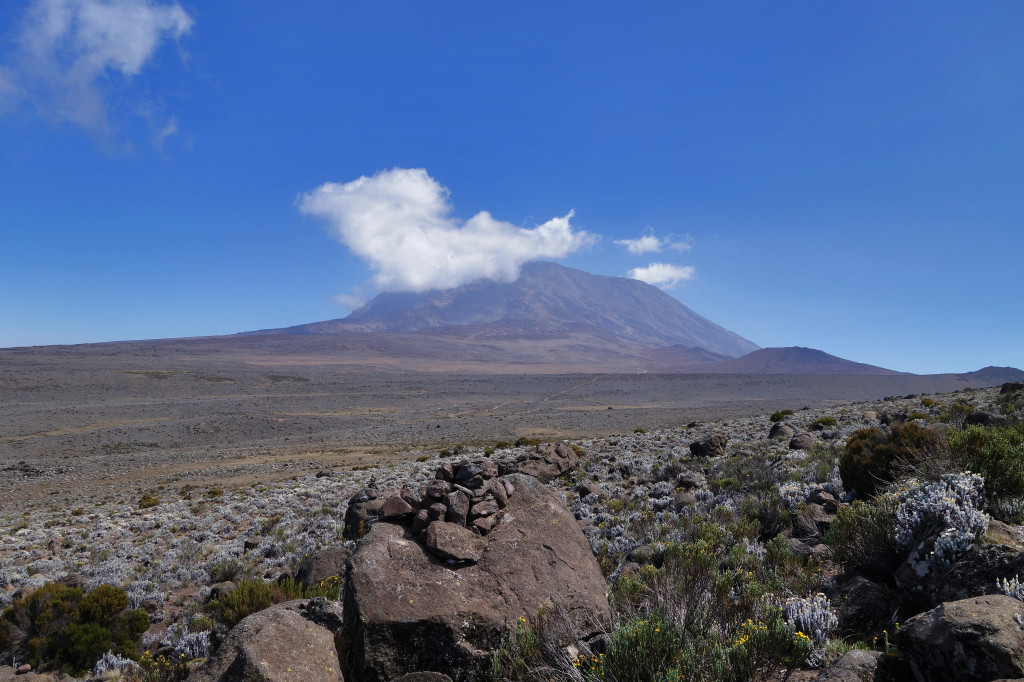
993 375
546 300
793 360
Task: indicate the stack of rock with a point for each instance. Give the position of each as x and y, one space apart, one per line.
465 497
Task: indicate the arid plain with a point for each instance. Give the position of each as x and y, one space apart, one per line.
113 420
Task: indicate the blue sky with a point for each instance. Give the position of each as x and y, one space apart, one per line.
844 176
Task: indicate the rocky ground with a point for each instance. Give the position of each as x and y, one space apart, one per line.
81 426
623 488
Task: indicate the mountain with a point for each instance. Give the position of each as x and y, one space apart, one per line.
546 300
993 375
792 360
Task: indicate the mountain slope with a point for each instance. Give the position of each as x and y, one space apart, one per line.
547 299
793 360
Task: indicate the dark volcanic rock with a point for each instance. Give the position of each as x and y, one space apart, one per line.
976 572
862 606
781 430
329 561
395 508
865 666
802 441
362 511
977 639
450 541
547 462
278 643
981 418
426 616
712 446
458 508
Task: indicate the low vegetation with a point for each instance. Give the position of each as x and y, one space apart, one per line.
718 567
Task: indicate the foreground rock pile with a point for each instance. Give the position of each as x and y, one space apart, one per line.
408 608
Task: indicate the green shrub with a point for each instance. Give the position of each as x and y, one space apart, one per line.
997 454
251 596
523 440
872 457
916 415
226 570
147 501
58 627
822 422
639 429
927 402
779 415
646 648
955 414
518 654
863 537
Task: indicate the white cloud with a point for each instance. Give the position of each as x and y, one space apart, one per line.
350 301
67 50
663 274
399 221
649 243
646 243
161 135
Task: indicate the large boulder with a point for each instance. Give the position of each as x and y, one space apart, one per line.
712 446
976 572
547 462
982 418
322 566
406 610
802 441
282 643
977 639
781 430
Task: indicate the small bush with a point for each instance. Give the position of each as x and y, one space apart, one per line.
779 415
523 440
872 457
997 454
147 501
822 423
251 596
927 402
226 570
863 537
639 429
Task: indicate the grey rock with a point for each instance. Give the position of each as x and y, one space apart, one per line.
450 541
781 430
802 441
546 463
712 446
981 418
971 640
976 572
276 644
328 562
449 621
458 508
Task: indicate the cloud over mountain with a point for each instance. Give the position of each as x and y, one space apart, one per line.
399 221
